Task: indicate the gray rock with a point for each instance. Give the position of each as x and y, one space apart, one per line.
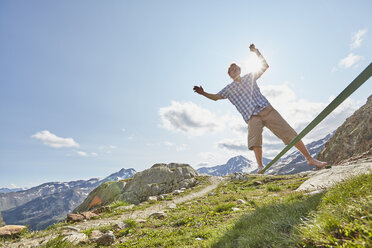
235 209
212 194
240 202
152 198
326 178
76 238
119 226
159 179
172 206
106 239
177 192
158 215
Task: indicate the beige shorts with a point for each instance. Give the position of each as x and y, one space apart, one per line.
271 119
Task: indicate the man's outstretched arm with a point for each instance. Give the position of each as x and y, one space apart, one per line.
200 90
262 59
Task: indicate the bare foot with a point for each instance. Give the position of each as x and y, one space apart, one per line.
260 168
318 164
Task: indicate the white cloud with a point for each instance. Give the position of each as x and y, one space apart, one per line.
357 38
52 140
349 61
81 153
123 129
93 154
189 118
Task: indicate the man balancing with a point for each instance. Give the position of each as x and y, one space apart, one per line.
256 110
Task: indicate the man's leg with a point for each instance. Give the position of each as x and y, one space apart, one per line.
275 122
310 160
258 153
255 128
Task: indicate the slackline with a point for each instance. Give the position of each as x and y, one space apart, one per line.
354 85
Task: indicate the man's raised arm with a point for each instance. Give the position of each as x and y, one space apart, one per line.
262 59
200 90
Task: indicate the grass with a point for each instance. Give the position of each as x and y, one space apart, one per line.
344 217
273 216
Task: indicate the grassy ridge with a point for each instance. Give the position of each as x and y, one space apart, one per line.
270 215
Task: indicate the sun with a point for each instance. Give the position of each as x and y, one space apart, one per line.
252 64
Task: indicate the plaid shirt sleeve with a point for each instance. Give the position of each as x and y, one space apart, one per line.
225 92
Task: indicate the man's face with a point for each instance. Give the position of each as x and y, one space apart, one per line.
234 71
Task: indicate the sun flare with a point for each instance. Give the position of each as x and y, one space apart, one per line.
252 64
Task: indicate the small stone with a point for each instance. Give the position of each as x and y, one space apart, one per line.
141 221
257 183
152 198
235 209
102 210
212 194
177 192
172 206
199 239
183 189
89 215
161 197
119 226
95 234
240 201
106 239
11 230
75 217
76 238
158 215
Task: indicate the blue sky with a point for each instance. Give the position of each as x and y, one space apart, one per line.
90 87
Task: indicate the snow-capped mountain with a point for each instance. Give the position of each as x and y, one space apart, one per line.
45 204
8 190
295 162
234 164
292 164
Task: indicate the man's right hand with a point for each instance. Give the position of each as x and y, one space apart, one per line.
199 89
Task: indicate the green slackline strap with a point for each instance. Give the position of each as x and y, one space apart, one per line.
355 84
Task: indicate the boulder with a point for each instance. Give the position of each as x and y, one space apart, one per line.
159 179
104 194
106 239
75 217
89 215
11 230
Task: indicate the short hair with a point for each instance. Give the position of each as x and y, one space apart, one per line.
228 71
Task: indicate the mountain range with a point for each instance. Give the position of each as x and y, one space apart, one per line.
47 203
291 164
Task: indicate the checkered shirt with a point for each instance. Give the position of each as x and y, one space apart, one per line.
246 96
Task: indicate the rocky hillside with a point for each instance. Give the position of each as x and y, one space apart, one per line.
352 138
48 203
159 179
